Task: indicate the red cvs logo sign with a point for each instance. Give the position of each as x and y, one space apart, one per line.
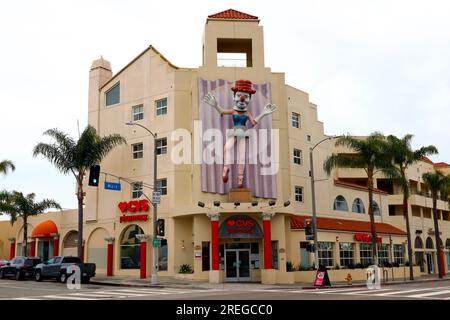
134 206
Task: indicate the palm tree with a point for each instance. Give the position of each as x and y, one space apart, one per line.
368 155
437 182
5 165
16 205
402 157
76 157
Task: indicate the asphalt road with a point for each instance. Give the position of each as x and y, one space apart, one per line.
51 290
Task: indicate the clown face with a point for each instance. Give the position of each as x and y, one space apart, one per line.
241 101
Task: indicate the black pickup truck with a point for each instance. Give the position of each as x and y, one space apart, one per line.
56 267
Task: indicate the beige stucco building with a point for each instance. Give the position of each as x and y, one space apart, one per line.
164 98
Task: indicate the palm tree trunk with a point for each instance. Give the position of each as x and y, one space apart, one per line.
372 220
408 230
436 233
80 197
25 235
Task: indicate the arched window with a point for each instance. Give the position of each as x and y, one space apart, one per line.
340 204
130 248
447 244
429 243
358 206
418 244
375 209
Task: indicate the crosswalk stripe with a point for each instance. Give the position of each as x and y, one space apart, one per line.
429 294
400 292
67 297
324 291
122 293
144 292
27 298
366 291
93 294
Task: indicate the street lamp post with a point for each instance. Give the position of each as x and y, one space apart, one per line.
313 196
154 276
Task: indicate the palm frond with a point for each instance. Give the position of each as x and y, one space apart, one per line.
55 155
6 165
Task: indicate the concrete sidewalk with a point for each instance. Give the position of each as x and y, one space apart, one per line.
172 282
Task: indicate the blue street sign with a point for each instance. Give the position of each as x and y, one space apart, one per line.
156 243
112 186
309 237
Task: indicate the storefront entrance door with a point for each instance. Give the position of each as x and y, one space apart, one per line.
237 265
430 264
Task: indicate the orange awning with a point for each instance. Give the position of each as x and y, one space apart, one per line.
298 222
44 229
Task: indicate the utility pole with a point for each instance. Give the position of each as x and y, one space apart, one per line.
313 197
154 276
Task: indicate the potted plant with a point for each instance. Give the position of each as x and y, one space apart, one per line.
185 269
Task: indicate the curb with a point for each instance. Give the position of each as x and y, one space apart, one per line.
384 284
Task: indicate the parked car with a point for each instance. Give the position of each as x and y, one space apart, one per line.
20 267
3 262
56 267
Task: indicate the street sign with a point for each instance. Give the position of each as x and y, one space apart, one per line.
309 237
156 197
112 186
156 243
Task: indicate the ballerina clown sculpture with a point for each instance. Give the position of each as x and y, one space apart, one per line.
242 95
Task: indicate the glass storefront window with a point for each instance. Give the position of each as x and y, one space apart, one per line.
205 256
275 254
365 253
325 252
383 254
399 253
346 254
130 248
162 256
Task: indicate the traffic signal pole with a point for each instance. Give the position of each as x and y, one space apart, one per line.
314 214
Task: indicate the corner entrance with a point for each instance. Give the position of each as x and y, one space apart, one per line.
237 265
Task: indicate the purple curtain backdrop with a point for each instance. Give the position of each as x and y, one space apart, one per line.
262 186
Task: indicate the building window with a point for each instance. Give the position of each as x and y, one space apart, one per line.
254 255
375 209
297 156
161 107
275 254
358 206
383 254
161 146
325 252
162 256
346 254
340 204
365 253
232 59
161 186
399 253
295 120
205 256
138 112
138 150
308 138
136 191
298 194
113 95
130 248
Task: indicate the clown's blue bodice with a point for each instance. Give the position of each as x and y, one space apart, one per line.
239 119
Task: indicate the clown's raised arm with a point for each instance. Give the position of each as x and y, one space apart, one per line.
211 100
268 109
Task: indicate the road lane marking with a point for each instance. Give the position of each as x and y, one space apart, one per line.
66 297
90 295
366 291
429 294
122 293
28 298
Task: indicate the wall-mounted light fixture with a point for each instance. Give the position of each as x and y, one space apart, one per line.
182 244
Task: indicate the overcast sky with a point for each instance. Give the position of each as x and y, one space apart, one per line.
368 65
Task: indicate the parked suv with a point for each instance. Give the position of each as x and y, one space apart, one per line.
20 267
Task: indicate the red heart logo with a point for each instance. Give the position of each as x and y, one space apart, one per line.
123 206
231 223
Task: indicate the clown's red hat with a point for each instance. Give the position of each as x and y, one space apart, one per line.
243 86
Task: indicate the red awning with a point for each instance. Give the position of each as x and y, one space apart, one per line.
298 222
44 229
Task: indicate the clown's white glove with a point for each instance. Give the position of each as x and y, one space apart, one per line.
268 109
211 100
